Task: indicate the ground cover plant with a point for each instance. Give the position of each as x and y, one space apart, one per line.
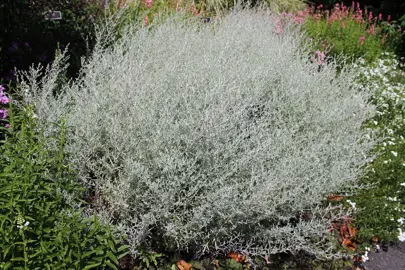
381 209
211 138
43 224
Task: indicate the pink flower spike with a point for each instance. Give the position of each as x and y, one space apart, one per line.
380 17
2 88
149 3
146 21
370 17
7 125
362 39
389 18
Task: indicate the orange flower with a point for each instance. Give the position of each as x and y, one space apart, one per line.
336 198
237 257
182 265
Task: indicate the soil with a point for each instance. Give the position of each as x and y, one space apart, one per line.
393 259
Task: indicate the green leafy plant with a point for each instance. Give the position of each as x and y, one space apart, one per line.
147 258
350 31
380 209
43 224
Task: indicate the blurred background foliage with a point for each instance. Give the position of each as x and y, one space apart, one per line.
26 37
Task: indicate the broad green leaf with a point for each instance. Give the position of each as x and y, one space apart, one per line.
112 257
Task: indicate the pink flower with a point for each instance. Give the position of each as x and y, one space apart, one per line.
149 3
389 18
280 28
194 10
371 30
146 21
321 57
362 39
370 17
299 20
7 125
4 100
3 114
2 88
380 17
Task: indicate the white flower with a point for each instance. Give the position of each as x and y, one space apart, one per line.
394 153
403 184
392 199
353 204
401 235
401 220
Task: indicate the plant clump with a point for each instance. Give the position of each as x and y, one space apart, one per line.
211 138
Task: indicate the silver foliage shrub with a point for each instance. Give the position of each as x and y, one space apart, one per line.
210 138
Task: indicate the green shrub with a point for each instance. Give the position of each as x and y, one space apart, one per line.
211 138
349 31
42 220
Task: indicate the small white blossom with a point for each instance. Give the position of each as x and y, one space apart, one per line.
394 153
401 235
353 204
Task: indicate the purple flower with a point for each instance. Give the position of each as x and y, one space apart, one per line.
10 76
4 100
42 58
7 125
3 114
2 89
13 48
